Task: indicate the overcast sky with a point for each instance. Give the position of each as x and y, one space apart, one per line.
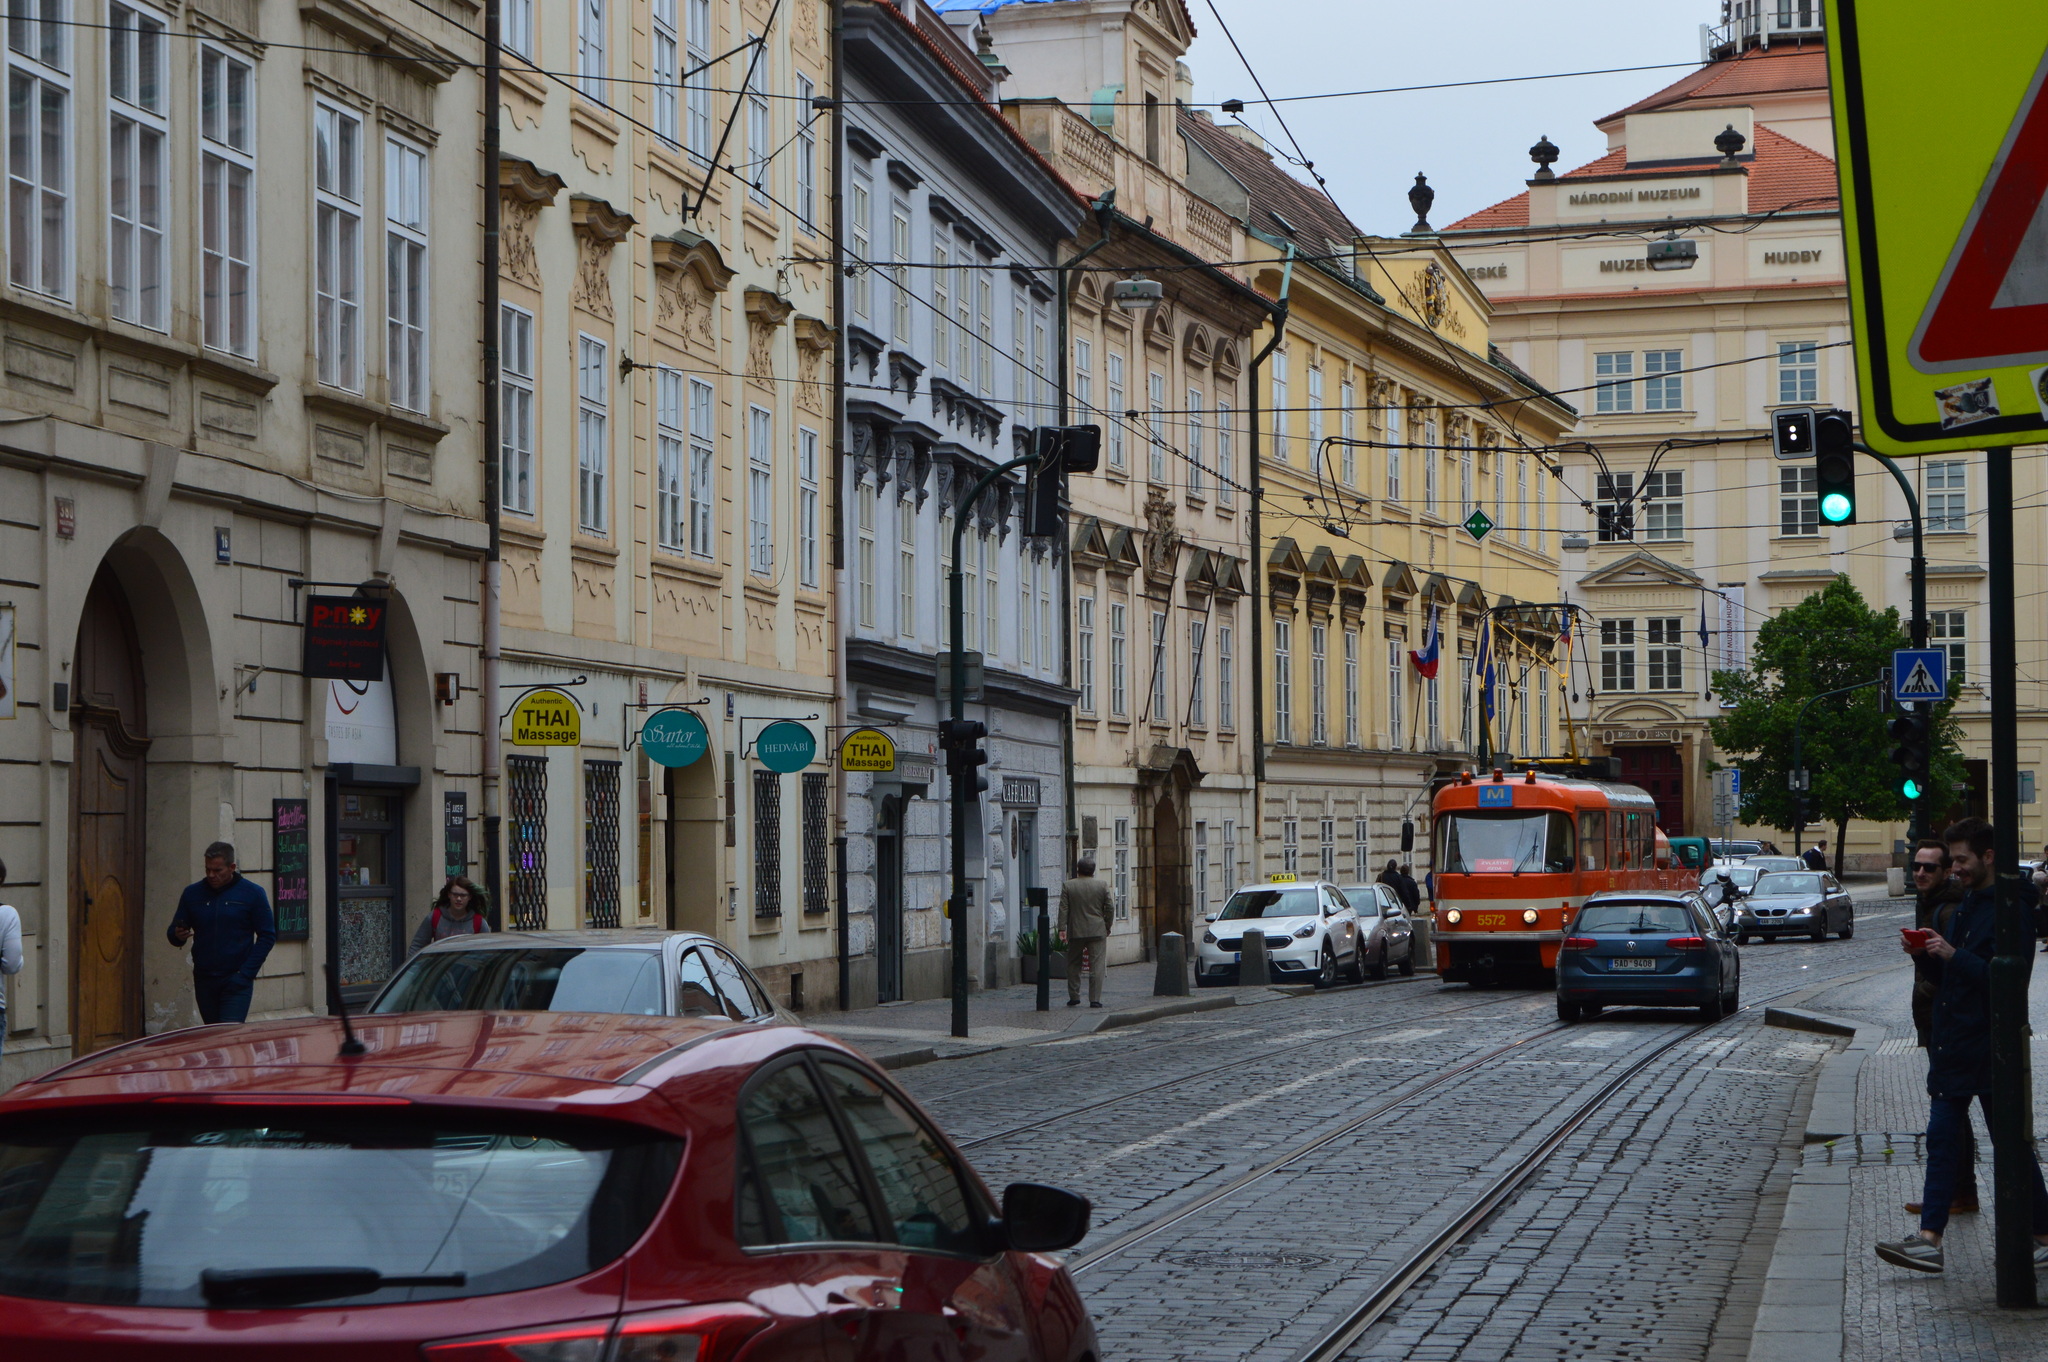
1473 143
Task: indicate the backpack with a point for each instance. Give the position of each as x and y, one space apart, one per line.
476 924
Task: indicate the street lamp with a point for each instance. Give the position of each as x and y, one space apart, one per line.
1672 252
1137 295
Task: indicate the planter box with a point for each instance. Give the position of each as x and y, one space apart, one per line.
1027 967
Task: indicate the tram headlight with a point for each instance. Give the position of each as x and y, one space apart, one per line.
1454 917
1529 916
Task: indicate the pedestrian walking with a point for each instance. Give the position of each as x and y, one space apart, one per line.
1936 896
10 952
1410 891
458 911
1084 919
1959 1057
1391 876
227 919
1816 857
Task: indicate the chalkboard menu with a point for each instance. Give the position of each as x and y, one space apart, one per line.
290 864
455 832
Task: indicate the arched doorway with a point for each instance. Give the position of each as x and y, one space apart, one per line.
1169 871
108 802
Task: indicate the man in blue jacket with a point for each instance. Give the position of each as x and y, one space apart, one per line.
229 923
1959 1050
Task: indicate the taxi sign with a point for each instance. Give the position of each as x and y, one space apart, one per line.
1942 141
867 749
1283 877
546 718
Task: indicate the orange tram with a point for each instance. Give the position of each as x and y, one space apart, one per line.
1514 857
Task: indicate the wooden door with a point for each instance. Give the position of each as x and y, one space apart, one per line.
107 827
1660 773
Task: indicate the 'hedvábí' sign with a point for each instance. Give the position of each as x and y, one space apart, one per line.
786 746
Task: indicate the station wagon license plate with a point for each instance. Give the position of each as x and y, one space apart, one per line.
1633 962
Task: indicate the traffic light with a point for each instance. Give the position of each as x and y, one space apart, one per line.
965 756
1834 466
1792 433
1061 450
1912 734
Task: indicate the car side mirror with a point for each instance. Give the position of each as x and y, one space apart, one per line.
1041 1219
1212 917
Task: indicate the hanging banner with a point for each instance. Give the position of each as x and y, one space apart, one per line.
674 737
546 718
867 749
345 638
454 833
786 746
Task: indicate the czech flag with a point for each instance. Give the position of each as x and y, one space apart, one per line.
1426 660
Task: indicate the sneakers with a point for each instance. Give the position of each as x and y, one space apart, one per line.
1962 1205
1913 1252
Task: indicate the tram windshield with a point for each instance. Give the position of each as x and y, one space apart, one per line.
1506 843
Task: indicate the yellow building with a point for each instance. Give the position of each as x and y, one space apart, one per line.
1388 421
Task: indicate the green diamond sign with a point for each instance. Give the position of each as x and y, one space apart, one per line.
1477 525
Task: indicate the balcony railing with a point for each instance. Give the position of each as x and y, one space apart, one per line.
1747 24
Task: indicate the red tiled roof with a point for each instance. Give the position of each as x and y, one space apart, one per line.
1783 173
1759 71
1310 212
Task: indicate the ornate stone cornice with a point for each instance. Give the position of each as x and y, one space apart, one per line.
766 307
597 221
524 182
686 250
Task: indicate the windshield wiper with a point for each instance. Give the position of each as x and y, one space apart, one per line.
229 1288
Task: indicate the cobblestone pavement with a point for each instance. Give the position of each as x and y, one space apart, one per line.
1642 1237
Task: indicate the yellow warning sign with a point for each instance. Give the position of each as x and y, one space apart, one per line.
546 718
867 749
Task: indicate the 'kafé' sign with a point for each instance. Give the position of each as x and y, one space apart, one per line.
291 888
454 833
345 638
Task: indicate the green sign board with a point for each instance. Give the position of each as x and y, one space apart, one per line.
1478 525
786 746
674 737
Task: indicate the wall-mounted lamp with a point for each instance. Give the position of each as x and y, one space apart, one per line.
447 687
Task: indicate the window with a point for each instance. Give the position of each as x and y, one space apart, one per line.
227 172
1024 611
703 465
1122 866
39 152
1432 705
1500 493
1315 416
807 508
136 168
1614 506
864 559
942 299
515 27
526 841
1119 698
1084 378
1226 698
1465 478
806 156
590 49
990 551
1084 651
1226 457
1198 714
515 417
971 554
1201 868
338 258
405 274
600 844
1361 851
1666 655
1113 376
1522 498
1617 655
1663 384
1947 506
1347 429
1429 462
666 123
1612 391
767 844
1160 712
1543 712
1326 848
859 214
593 453
1798 501
1155 398
986 352
1194 420
760 490
899 269
1396 648
922 1196
1465 701
817 835
1798 372
1279 363
1319 684
760 137
1946 630
697 88
670 473
1393 453
1152 128
1290 845
906 568
1230 850
799 1185
1283 681
1351 688
1664 505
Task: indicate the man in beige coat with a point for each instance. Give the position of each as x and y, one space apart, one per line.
1084 916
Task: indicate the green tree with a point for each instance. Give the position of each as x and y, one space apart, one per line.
1829 640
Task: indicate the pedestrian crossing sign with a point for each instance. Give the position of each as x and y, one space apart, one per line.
1942 142
1919 674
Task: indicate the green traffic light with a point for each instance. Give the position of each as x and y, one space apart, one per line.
1836 508
1911 789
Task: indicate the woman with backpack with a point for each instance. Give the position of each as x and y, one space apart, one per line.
458 911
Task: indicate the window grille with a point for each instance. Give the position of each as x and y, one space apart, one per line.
815 827
767 844
526 781
600 844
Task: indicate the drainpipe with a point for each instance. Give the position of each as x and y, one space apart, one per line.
487 680
840 630
1259 561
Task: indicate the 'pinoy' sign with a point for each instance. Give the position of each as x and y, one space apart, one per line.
345 638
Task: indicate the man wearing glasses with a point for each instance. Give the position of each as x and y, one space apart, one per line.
1936 896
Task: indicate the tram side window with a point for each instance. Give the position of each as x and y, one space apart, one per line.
1623 851
1560 856
1593 840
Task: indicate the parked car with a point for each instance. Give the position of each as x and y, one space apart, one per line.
1767 863
1808 903
1725 850
1389 932
641 972
1692 853
491 1185
1627 948
1310 930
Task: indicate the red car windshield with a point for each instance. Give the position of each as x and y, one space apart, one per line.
206 1206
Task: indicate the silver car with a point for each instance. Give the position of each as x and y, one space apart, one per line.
1808 903
1388 931
1310 928
639 972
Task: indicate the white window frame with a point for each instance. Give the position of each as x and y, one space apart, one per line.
227 214
590 53
1318 683
338 244
1397 658
1361 849
864 503
1947 496
1155 413
942 297
806 169
1798 372
1198 647
408 300
807 503
666 71
138 165
1162 671
1201 868
1351 687
1522 498
671 461
1084 377
1347 430
1226 456
1121 866
1326 849
1315 414
40 252
1430 459
697 87
1119 660
1113 413
703 468
860 201
1798 501
1290 845
1283 681
1279 380
1226 694
1617 657
1614 390
899 270
1084 651
1194 423
1663 380
515 409
593 435
906 569
1393 443
1664 505
1949 630
1664 656
760 491
990 548
760 124
515 27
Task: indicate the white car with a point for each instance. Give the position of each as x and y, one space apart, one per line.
1310 928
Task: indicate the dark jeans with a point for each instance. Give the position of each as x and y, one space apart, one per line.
221 997
1951 1158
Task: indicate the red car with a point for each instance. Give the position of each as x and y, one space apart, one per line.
511 1187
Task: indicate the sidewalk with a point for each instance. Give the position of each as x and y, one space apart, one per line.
900 1034
1827 1297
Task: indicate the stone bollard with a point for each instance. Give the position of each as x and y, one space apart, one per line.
1253 968
1170 980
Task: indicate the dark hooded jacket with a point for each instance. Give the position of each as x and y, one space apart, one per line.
1959 1034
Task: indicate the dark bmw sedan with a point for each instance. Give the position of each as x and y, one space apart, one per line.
1634 949
1808 903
